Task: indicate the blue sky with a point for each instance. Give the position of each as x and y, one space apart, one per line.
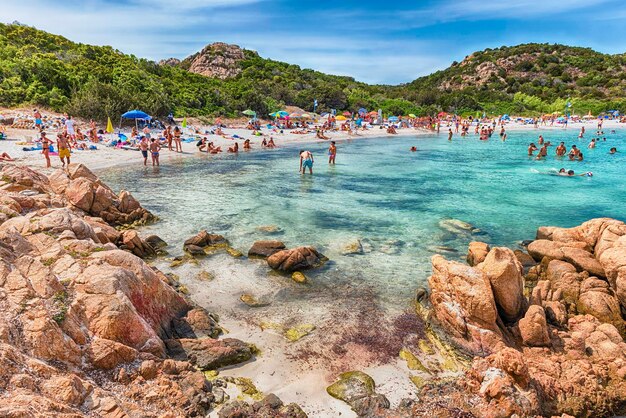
377 42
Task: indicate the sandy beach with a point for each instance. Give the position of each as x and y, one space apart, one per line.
106 157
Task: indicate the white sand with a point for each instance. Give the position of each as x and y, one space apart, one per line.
106 157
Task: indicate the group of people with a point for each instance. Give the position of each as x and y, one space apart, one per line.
307 160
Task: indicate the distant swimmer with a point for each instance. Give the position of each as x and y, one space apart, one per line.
532 148
570 173
450 134
613 150
543 152
413 149
592 144
561 150
540 141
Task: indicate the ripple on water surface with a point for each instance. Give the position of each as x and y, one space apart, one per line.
380 193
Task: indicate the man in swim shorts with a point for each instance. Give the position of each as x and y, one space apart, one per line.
143 146
64 149
561 150
306 160
332 152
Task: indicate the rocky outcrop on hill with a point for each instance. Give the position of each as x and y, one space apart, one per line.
550 342
217 60
87 328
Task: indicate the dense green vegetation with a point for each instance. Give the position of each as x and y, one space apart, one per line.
42 69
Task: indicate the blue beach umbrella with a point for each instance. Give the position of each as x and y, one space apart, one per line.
393 119
136 114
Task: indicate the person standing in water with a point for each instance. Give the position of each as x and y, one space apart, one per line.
450 134
306 160
332 152
143 147
155 147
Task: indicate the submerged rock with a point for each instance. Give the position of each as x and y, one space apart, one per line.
298 277
352 248
253 302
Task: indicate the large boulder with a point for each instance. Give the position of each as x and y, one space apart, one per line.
542 248
534 328
264 249
597 299
477 252
504 272
208 353
583 261
107 354
301 258
80 193
463 304
358 390
563 276
132 242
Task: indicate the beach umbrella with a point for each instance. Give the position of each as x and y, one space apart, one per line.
249 112
184 124
136 114
341 117
279 114
393 119
109 126
440 114
295 115
305 116
346 113
411 115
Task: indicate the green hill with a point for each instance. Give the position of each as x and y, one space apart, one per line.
43 69
529 78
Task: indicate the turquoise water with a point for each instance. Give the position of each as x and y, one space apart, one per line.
391 199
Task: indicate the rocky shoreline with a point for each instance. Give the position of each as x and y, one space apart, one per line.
91 329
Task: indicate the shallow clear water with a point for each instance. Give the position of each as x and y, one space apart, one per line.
379 192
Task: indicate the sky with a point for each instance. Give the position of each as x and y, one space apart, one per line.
376 42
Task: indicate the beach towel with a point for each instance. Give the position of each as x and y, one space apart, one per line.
188 140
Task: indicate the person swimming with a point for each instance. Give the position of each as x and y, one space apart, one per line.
532 148
413 149
613 150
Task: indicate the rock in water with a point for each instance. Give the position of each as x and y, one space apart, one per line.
298 277
264 249
253 302
357 389
301 258
204 239
352 248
